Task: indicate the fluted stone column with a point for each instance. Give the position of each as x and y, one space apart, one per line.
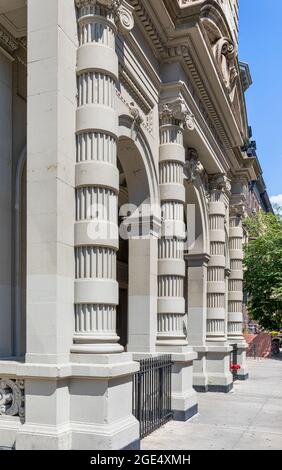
172 336
97 178
235 288
219 376
171 304
98 423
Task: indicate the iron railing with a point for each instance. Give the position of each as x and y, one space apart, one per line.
152 393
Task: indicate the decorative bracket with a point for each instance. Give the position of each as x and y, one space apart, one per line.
193 167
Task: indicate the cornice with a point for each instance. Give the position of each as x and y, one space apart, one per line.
182 53
148 25
196 107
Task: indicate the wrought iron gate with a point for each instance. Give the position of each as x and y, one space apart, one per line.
152 393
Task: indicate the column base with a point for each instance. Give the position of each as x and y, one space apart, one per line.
201 388
220 388
200 377
120 435
40 437
183 398
243 372
9 427
220 379
74 406
242 377
185 415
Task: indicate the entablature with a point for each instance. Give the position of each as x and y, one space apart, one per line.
189 32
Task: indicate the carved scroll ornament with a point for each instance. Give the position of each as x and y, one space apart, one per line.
122 10
12 398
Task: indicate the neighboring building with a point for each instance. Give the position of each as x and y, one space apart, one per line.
130 106
257 199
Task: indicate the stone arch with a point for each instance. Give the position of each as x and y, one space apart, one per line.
136 159
196 195
197 262
214 21
223 45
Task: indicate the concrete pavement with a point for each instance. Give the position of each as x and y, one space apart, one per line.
249 417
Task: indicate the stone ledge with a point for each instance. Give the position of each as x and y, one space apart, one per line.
183 357
220 349
13 369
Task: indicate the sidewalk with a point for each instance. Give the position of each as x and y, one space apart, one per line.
250 417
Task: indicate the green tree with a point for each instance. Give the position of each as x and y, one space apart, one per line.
263 268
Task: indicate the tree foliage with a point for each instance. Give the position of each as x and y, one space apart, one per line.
263 268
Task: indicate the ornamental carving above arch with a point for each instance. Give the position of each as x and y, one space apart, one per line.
224 51
225 54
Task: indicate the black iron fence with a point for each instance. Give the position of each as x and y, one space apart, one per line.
152 393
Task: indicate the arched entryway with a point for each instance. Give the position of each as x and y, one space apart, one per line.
137 276
197 258
137 257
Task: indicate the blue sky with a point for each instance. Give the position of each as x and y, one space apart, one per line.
260 45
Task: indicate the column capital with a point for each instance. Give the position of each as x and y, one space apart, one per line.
121 9
237 210
220 182
177 112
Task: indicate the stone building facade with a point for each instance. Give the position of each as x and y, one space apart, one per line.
124 182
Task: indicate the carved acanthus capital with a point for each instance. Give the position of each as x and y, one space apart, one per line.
12 398
177 110
193 167
220 182
237 210
122 10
